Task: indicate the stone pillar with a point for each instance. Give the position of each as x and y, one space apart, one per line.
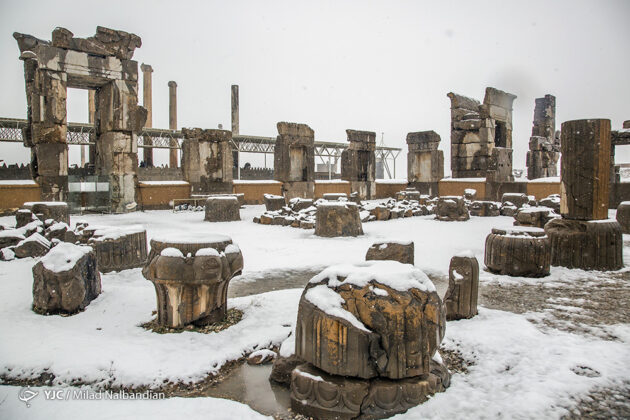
235 125
172 121
585 169
207 160
92 120
294 160
425 163
147 103
468 152
543 154
358 163
49 150
496 132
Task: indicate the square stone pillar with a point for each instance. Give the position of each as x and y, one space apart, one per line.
544 150
294 160
585 169
425 163
358 163
207 160
468 153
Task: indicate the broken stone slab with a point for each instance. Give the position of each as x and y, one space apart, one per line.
552 201
401 251
304 224
298 204
338 219
222 209
484 209
623 216
589 245
274 202
44 210
508 209
381 212
463 287
470 194
66 279
534 216
56 230
106 42
376 318
11 237
119 248
517 199
191 278
451 208
316 394
519 251
261 357
24 217
34 246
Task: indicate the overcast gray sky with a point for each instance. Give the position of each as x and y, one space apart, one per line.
383 66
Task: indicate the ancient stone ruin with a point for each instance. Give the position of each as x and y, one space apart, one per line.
584 237
544 146
294 159
191 278
519 251
463 287
118 248
338 218
101 63
369 334
425 163
401 251
66 279
481 136
222 209
623 216
358 163
451 208
207 160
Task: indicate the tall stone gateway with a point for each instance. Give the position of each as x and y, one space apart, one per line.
358 163
481 136
294 159
425 163
585 237
207 160
544 147
103 63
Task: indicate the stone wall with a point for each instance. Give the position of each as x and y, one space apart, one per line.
544 145
358 163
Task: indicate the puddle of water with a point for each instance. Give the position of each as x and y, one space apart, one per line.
266 281
250 385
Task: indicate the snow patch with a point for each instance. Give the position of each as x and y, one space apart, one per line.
64 256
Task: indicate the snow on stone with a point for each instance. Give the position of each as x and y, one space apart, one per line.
393 274
115 232
392 181
58 226
287 348
47 203
465 179
467 253
191 238
36 237
7 254
378 291
17 182
255 181
330 302
308 375
203 252
12 233
174 252
470 191
535 209
164 182
457 276
550 179
64 256
263 353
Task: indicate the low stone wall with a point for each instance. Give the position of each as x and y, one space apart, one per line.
157 195
254 190
386 188
542 189
457 186
328 187
14 193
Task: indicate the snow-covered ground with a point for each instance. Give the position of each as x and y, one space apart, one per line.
520 366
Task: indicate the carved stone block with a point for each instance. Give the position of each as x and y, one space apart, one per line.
518 251
338 219
463 288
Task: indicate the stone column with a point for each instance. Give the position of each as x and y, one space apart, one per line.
235 125
172 121
544 151
294 160
585 169
358 163
92 120
425 163
207 160
147 103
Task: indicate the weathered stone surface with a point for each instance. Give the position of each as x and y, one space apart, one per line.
589 245
282 368
207 160
543 154
463 287
623 216
191 279
518 251
534 216
118 249
261 357
515 198
451 208
294 159
388 328
381 212
58 211
34 246
358 163
585 165
338 219
11 237
56 231
274 202
106 42
335 196
298 204
484 208
24 217
66 279
316 394
402 252
553 202
222 209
